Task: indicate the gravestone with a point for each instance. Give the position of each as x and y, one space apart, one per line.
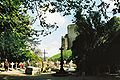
2 64
64 62
28 62
16 65
58 64
71 63
37 64
12 64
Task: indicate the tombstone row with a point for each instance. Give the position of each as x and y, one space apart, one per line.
13 65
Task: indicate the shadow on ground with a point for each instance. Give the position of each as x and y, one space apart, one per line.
50 77
2 70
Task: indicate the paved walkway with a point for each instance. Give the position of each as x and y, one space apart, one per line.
18 75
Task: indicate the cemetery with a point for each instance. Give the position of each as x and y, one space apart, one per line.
59 39
46 67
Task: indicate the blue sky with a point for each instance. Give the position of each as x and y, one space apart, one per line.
52 42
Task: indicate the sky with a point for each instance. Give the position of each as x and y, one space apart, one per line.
52 42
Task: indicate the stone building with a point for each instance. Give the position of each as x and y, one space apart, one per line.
70 37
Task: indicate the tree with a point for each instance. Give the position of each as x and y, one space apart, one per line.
15 31
91 27
67 7
93 42
11 12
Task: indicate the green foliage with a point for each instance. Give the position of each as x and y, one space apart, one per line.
94 33
15 31
67 7
86 6
31 56
113 24
67 54
94 40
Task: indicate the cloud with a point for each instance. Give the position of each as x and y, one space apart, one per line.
52 45
107 1
55 18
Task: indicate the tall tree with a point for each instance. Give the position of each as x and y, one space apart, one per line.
94 40
15 31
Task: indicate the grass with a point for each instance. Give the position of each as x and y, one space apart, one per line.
66 55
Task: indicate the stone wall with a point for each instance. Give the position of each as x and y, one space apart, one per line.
70 37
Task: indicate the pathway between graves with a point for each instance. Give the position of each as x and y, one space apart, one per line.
13 73
19 75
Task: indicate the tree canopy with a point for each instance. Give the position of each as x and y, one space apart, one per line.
66 7
16 34
94 41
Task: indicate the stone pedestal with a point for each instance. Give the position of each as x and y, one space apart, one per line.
61 72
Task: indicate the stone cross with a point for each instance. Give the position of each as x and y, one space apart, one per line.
61 60
44 55
12 65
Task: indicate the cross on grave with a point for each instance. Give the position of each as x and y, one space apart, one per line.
44 55
61 72
12 65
